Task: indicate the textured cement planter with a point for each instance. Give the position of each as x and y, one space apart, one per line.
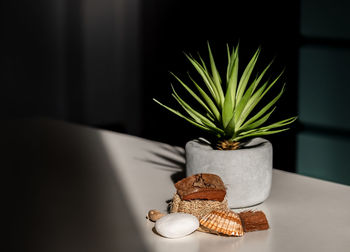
247 173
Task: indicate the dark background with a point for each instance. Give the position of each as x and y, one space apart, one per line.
100 63
187 25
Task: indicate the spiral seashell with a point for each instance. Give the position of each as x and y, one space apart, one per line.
222 222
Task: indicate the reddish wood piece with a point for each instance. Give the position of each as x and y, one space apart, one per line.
253 221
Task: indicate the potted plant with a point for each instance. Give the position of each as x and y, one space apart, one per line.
231 111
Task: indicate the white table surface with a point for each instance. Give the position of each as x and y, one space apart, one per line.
83 189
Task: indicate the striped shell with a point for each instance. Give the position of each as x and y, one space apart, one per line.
222 222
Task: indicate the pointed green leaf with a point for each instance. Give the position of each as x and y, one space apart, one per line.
193 94
189 112
230 65
264 109
210 116
206 78
272 83
246 75
230 128
258 122
198 117
257 81
254 101
207 99
243 108
229 103
246 132
280 123
228 62
216 75
203 63
257 134
184 117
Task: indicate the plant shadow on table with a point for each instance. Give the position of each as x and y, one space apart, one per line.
66 193
169 158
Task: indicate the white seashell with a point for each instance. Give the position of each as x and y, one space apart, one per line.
176 225
223 222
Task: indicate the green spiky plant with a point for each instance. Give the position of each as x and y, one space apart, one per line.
227 106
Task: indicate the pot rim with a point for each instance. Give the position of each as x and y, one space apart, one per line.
204 145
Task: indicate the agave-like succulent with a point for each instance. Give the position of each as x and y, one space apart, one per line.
227 107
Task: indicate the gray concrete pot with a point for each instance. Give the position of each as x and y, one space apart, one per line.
246 173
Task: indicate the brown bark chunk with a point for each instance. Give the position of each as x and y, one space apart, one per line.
253 221
201 186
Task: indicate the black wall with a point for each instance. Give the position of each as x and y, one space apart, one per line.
101 63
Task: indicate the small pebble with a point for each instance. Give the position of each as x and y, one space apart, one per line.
154 215
176 225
